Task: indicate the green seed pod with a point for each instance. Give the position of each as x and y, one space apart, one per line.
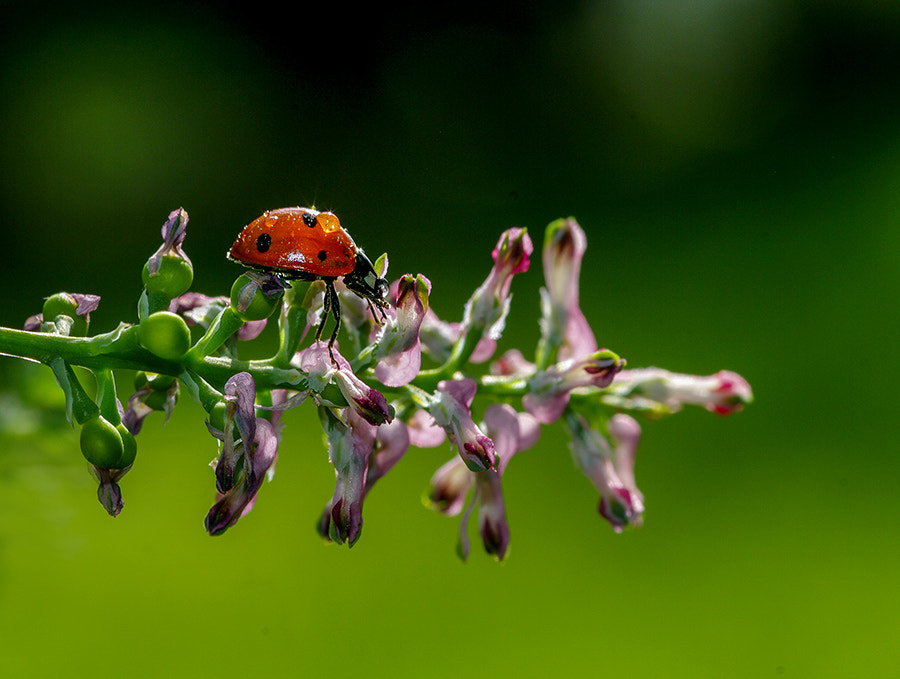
63 304
101 443
173 277
60 304
164 334
249 300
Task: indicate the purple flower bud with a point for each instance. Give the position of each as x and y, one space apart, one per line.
86 303
237 500
451 484
362 455
550 389
367 402
108 492
489 304
611 472
399 352
173 234
564 327
240 395
723 393
450 410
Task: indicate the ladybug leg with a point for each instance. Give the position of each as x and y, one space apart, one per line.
326 309
336 312
333 304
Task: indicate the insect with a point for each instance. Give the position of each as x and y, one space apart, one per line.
299 243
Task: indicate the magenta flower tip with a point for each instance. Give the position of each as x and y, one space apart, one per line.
513 251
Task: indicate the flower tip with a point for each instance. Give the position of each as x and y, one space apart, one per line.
732 394
478 454
514 249
622 508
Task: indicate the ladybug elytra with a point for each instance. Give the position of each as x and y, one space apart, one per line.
299 243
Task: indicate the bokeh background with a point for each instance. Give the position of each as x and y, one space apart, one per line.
736 166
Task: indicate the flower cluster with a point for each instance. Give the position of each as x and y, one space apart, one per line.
406 378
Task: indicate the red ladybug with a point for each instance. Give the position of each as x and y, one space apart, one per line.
300 243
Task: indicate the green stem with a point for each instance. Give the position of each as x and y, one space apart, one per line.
116 349
224 326
292 323
79 406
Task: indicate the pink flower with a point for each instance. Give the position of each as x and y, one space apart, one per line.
450 409
723 393
565 332
451 484
610 470
399 353
361 454
349 446
489 304
549 389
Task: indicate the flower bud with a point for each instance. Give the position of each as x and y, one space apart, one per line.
399 352
565 332
164 334
173 276
102 445
611 471
450 409
254 296
550 389
723 393
489 304
75 307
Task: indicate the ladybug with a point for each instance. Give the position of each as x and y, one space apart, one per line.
299 243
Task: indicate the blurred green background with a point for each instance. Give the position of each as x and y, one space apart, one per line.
736 166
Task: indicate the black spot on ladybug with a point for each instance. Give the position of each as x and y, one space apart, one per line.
263 242
322 255
310 220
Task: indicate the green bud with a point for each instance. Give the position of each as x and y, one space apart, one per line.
173 277
249 300
63 304
101 443
164 334
60 304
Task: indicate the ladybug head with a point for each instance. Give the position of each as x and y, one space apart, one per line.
365 282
